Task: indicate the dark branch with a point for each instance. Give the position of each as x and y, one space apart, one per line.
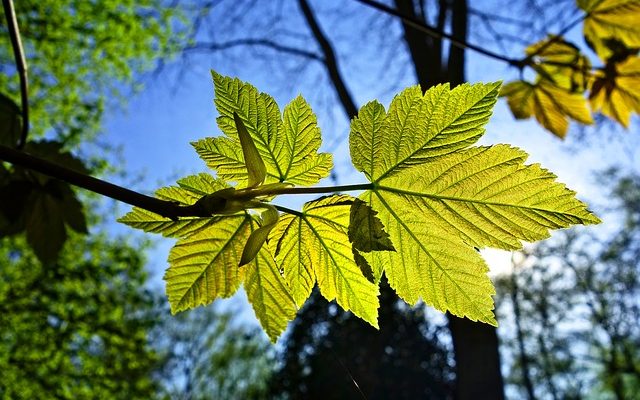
330 61
161 207
21 64
214 46
433 32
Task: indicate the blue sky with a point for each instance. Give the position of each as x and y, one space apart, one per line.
157 125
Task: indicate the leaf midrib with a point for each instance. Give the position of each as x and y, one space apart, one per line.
468 200
437 133
426 251
223 248
335 263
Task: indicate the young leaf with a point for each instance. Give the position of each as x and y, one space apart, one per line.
259 236
616 92
256 171
366 232
611 19
314 246
436 212
549 104
289 151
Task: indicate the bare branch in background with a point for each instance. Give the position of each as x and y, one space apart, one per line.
330 61
271 44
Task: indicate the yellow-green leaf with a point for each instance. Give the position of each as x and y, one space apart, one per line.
305 166
611 19
188 191
256 171
560 62
289 150
314 246
268 294
616 91
436 212
549 104
204 265
418 127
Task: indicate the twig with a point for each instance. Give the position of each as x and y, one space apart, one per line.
21 64
161 207
164 208
212 46
431 31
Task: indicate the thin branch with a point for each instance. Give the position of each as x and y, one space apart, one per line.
330 60
161 207
215 46
21 64
554 39
433 32
164 208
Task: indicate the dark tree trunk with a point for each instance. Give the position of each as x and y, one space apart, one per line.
524 358
475 344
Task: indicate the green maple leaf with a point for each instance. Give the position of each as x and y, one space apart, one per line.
288 144
436 212
431 200
314 247
204 262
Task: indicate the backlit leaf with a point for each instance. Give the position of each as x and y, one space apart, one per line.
431 203
268 294
419 127
611 19
289 150
437 212
561 62
204 265
549 104
305 166
314 247
616 91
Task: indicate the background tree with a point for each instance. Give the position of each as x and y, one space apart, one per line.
578 326
81 57
211 353
77 328
405 359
